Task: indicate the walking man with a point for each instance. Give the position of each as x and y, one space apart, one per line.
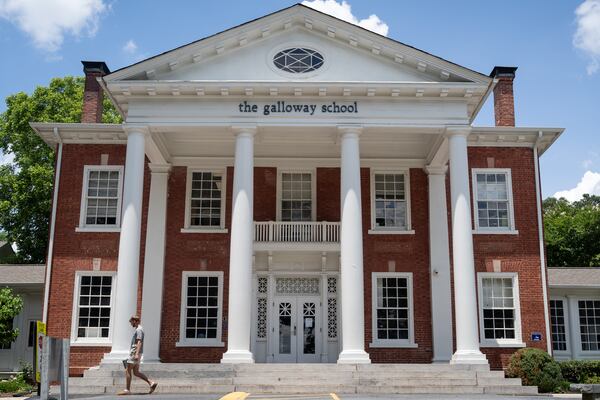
132 364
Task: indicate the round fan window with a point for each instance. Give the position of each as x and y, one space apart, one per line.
298 60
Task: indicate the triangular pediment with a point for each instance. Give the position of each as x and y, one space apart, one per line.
245 53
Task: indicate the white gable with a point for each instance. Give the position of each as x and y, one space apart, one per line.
343 63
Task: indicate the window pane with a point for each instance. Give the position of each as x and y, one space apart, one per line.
390 213
589 321
94 306
296 197
102 197
498 308
205 201
202 306
392 308
492 196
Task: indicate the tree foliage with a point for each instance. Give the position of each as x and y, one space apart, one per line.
572 232
10 306
26 184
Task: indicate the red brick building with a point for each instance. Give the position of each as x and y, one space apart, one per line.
297 189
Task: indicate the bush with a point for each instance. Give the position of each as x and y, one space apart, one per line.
536 368
578 371
15 385
27 372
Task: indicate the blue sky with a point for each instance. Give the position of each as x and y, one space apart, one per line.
557 83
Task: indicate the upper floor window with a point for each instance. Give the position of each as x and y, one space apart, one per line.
499 310
205 199
390 203
492 192
101 196
297 196
298 60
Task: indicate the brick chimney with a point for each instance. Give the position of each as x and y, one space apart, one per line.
504 101
92 91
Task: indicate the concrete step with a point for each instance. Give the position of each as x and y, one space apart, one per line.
394 389
490 374
167 381
416 374
499 381
287 380
423 367
511 390
298 388
164 374
401 382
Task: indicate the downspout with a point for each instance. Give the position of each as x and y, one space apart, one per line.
538 200
52 224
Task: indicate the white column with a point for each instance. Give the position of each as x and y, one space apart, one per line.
351 252
439 253
240 255
129 244
465 298
154 260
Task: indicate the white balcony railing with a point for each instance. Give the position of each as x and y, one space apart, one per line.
296 232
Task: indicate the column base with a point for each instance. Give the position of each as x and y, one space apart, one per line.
354 357
468 357
114 357
237 357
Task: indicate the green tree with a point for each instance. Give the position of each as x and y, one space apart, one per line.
572 232
10 306
26 184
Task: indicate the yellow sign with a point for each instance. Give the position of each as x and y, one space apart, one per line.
41 332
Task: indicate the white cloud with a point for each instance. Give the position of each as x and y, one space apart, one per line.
587 36
590 184
130 47
48 21
343 11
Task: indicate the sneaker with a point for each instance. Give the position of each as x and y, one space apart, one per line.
124 393
153 387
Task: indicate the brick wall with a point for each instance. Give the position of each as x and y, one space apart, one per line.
517 253
75 251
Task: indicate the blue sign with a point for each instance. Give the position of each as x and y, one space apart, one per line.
536 336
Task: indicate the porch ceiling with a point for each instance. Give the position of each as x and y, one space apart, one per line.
296 142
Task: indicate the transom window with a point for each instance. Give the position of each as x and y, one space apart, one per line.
94 301
499 308
296 196
557 317
206 192
298 60
202 294
589 324
392 309
101 201
493 199
390 198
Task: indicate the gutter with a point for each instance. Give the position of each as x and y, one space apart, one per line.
52 225
538 200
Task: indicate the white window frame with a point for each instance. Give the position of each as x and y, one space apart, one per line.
405 343
77 341
510 230
186 342
518 340
378 230
313 188
187 226
565 303
83 227
584 354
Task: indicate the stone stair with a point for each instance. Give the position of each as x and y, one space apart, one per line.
304 379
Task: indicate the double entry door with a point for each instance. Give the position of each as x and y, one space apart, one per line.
297 329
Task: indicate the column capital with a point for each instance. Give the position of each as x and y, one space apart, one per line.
244 130
136 128
459 130
345 130
436 169
159 168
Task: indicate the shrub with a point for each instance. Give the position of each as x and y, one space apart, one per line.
536 368
27 372
579 371
14 385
